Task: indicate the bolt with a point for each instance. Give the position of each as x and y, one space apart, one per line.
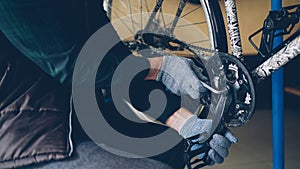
242 119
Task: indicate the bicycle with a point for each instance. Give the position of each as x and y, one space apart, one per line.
159 33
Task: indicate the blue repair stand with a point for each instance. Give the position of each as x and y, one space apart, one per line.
278 106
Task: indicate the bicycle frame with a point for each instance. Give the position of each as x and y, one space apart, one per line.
280 56
233 28
286 51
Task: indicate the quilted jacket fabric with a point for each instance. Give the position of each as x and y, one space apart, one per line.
34 113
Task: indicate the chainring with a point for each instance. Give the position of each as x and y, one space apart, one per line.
242 91
239 84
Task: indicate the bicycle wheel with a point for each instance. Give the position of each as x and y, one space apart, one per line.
200 24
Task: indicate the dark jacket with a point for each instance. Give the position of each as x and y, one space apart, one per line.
34 113
35 102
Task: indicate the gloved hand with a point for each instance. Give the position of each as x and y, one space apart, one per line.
219 146
180 76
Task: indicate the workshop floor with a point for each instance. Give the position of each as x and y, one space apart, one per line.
254 149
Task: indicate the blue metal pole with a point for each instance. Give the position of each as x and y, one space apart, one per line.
278 106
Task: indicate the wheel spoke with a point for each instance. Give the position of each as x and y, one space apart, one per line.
191 24
162 17
190 12
118 10
131 17
141 13
126 25
200 41
147 6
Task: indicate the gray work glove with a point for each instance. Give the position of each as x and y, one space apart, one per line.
180 76
219 145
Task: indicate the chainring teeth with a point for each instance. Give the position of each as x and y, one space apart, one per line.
242 107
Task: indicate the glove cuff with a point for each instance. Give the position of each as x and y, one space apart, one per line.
161 71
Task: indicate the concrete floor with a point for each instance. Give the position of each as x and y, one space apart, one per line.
254 149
